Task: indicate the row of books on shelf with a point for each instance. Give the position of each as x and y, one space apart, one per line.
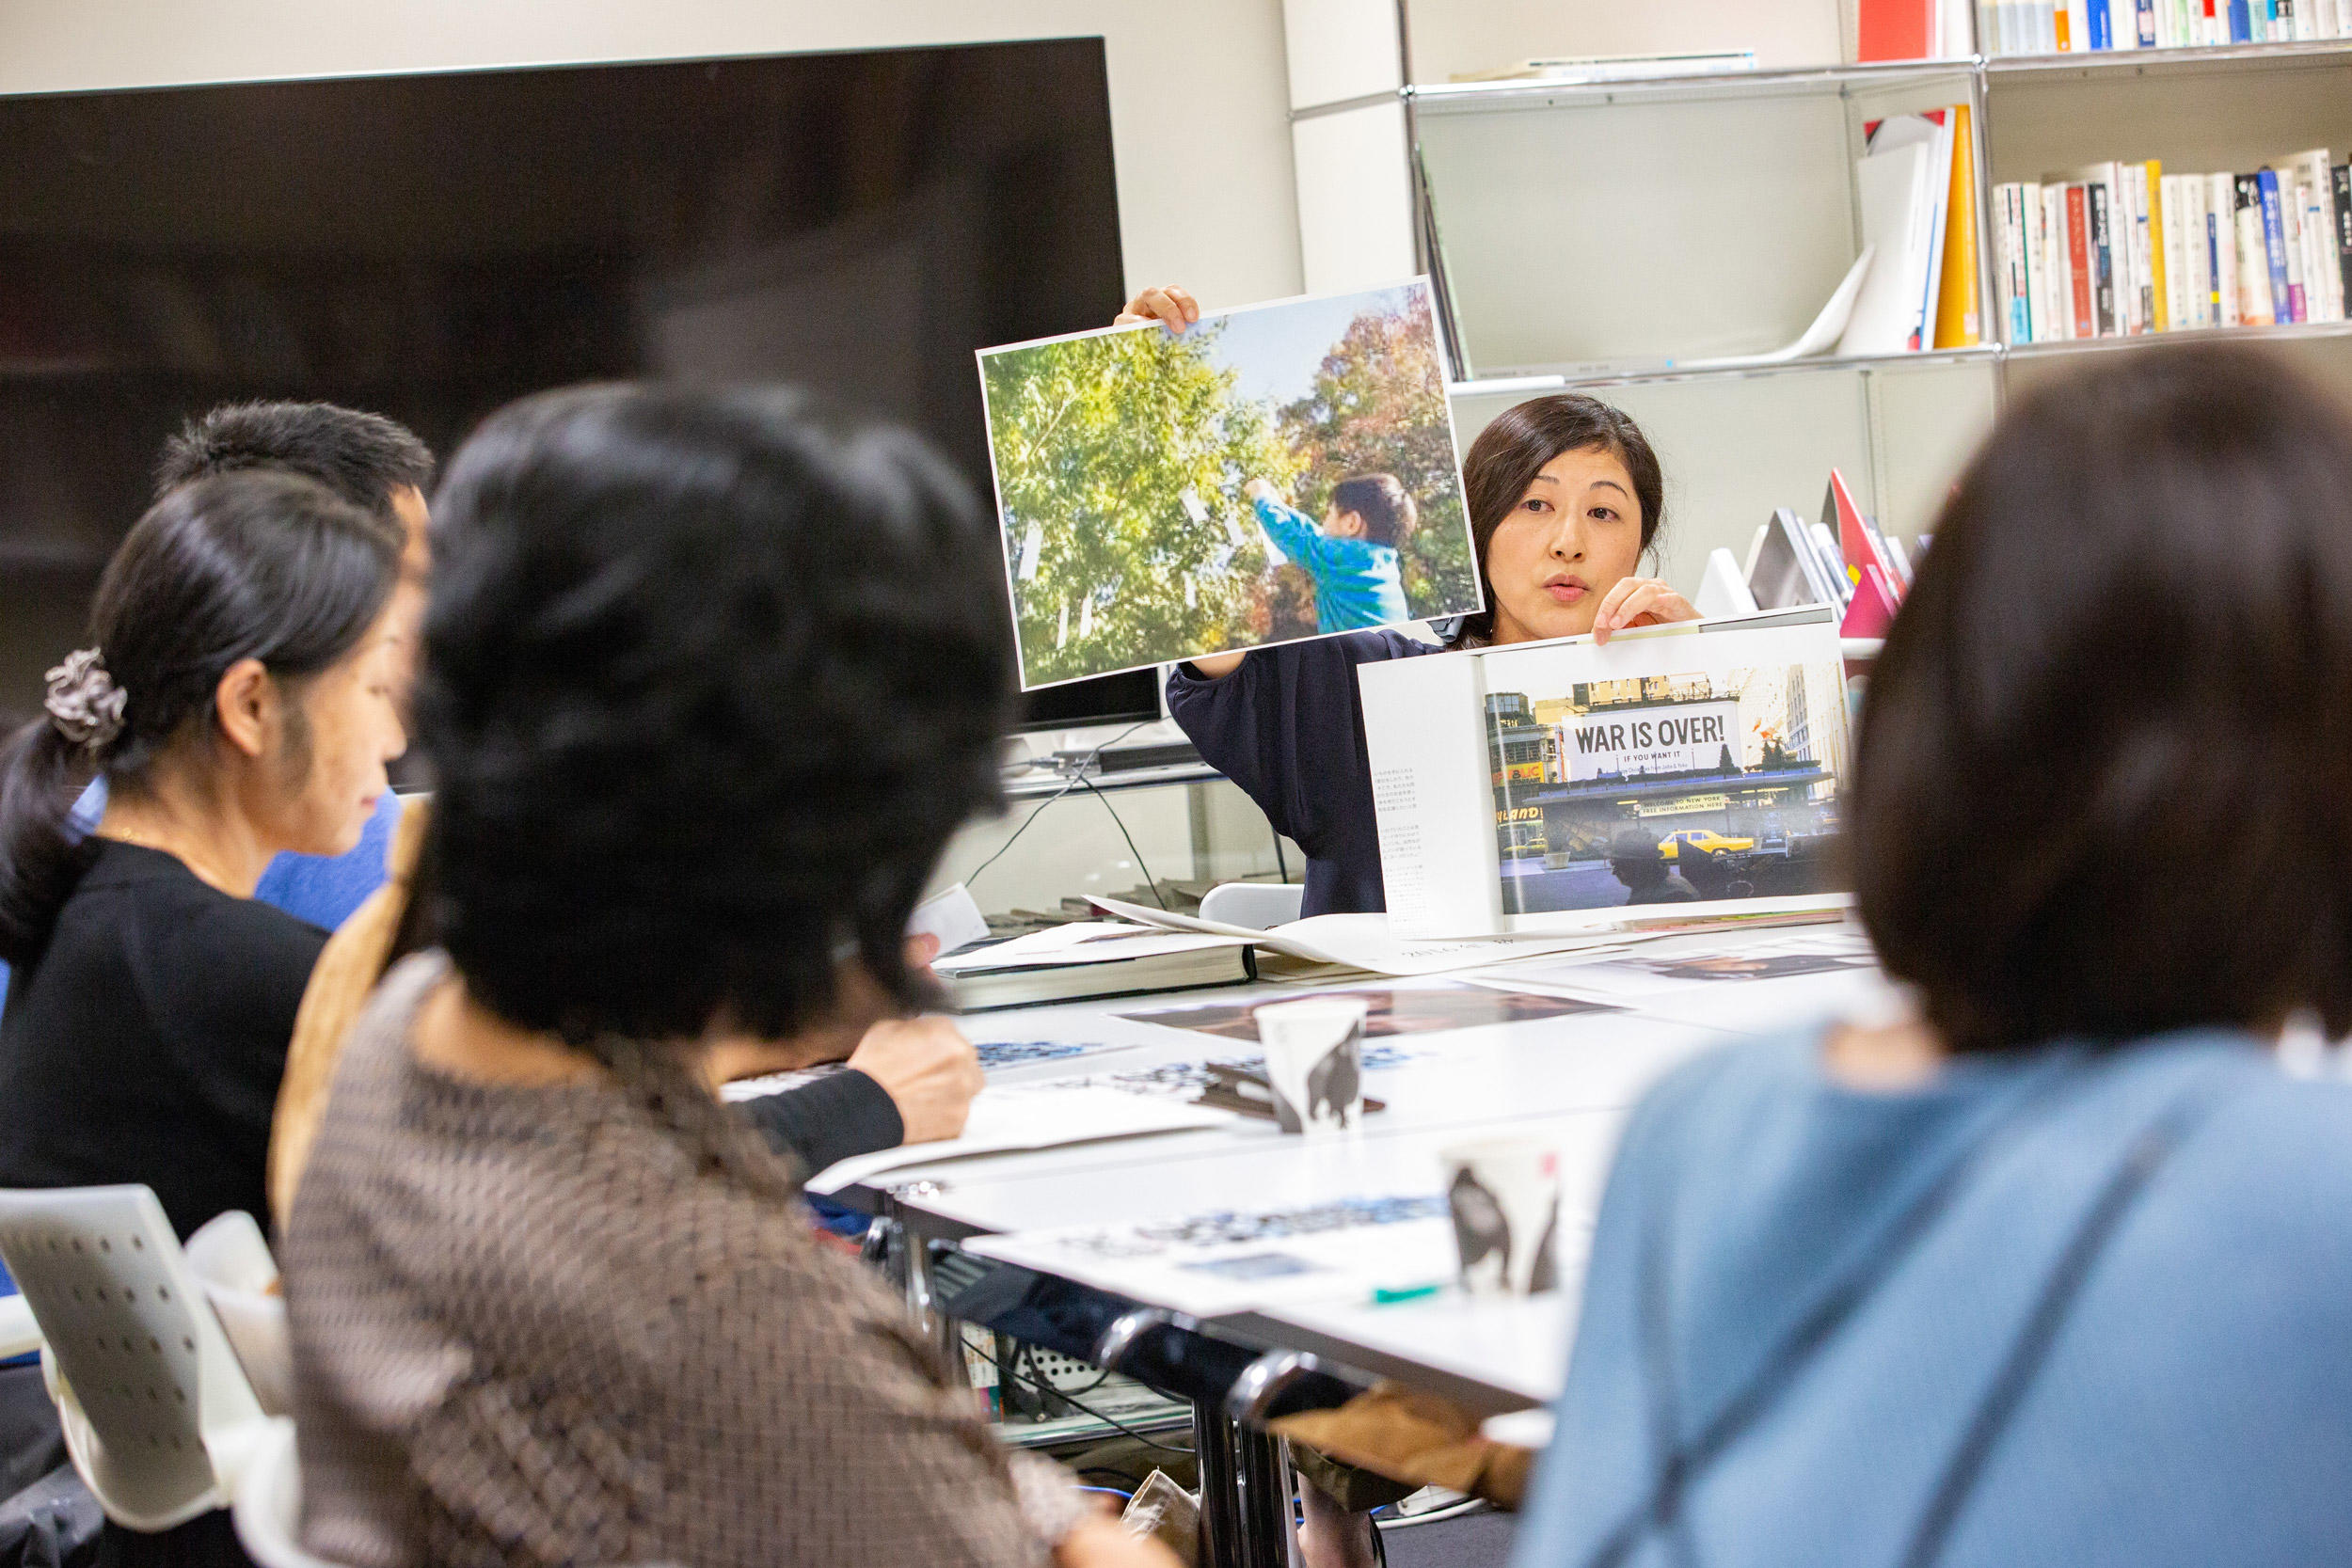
2074 26
2124 250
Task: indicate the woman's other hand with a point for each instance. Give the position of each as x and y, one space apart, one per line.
1166 304
1639 602
929 1069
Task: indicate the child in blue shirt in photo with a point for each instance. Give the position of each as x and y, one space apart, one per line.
1352 556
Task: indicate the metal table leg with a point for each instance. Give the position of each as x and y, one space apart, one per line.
1246 1500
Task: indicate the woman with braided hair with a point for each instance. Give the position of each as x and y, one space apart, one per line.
708 684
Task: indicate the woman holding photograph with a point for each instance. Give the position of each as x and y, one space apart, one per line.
1565 497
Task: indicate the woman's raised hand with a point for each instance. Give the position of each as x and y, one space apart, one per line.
1166 304
1639 602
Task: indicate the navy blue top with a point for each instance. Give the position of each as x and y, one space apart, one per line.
1288 727
2193 1406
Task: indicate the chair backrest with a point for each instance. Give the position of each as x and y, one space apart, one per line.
231 1260
156 1410
268 1508
1260 906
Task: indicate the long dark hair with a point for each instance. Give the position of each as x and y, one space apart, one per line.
246 566
1508 454
708 682
2104 762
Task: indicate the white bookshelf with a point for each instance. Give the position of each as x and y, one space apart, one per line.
1600 236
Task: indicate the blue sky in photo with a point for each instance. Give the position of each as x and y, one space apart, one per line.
1276 351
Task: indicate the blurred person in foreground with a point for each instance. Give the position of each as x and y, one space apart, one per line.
2053 1265
550 1301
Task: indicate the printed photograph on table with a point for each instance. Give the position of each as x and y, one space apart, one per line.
1683 785
1272 474
1389 1012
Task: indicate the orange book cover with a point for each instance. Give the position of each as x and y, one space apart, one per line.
1956 319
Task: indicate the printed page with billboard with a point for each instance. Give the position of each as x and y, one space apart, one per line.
1696 769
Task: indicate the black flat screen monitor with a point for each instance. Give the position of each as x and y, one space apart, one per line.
431 246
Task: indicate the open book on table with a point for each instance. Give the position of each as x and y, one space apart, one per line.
1683 775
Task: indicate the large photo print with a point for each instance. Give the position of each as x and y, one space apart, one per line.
1680 786
1271 474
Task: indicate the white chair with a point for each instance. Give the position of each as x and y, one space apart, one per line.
1260 906
19 1334
268 1509
232 1262
158 1416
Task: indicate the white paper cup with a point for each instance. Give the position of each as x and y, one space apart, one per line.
1504 1194
1315 1062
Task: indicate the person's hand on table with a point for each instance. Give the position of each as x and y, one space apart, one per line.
1166 304
1104 1543
929 1069
1639 602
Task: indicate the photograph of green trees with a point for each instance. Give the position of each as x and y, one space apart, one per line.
1273 473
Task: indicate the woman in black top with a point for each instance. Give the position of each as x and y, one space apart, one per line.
240 701
1566 499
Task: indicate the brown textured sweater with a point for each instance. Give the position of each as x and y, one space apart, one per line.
526 1331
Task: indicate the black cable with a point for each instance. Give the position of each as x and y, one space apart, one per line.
1079 777
1108 1421
1282 863
1149 880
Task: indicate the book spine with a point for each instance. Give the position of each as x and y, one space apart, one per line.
2102 31
2106 246
2083 259
2030 261
2058 277
2200 252
2313 235
2291 227
2274 246
2241 23
2148 273
2282 22
2221 234
2145 21
2341 177
2258 21
2009 240
2180 312
2320 232
2253 262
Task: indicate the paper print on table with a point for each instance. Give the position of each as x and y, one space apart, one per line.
1386 1012
1701 964
1271 474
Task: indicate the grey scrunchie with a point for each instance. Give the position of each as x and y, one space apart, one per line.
84 702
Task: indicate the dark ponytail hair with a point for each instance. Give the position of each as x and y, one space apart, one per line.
245 566
1511 451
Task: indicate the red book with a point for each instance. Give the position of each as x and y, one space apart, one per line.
1893 31
2078 259
1874 607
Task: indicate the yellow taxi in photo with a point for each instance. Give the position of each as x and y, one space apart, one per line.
1704 839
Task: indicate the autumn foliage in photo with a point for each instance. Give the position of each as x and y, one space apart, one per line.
1121 459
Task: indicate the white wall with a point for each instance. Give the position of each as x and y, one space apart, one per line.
1199 98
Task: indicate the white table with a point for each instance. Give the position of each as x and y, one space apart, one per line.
1569 1080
